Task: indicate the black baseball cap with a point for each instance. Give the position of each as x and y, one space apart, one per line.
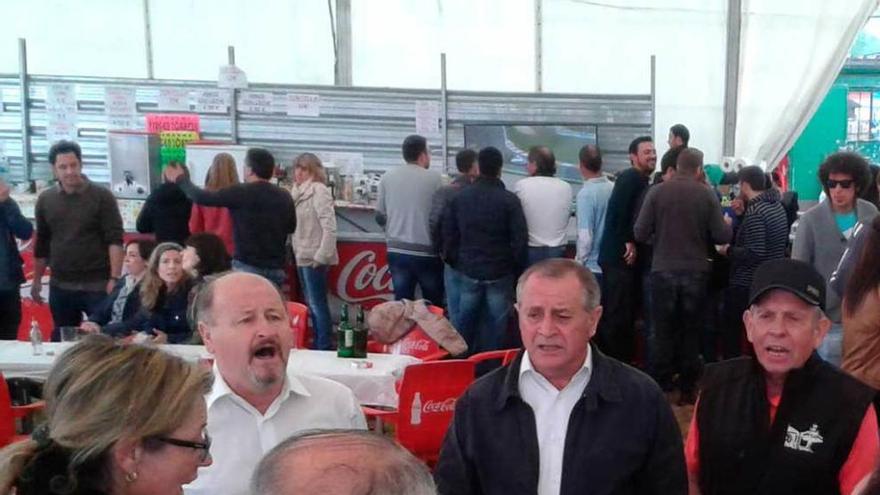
797 277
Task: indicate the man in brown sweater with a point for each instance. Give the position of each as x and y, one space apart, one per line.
79 235
683 217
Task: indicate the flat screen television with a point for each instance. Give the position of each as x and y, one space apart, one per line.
514 142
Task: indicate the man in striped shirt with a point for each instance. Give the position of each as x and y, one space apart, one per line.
761 236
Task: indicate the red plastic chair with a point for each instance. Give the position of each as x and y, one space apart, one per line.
9 413
428 392
416 343
31 310
299 324
505 355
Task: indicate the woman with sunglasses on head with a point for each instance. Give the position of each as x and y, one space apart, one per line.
824 232
120 420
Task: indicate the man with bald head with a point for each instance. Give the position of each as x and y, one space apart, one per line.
255 402
341 462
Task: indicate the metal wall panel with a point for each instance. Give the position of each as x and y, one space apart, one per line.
372 121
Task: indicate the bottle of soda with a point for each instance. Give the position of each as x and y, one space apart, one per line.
36 337
344 335
360 335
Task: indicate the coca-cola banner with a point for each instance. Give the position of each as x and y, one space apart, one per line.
362 275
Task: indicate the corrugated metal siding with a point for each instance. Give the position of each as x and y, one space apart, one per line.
372 121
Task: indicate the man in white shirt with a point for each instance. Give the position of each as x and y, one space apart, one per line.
255 402
546 202
563 418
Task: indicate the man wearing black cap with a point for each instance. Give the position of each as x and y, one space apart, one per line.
784 422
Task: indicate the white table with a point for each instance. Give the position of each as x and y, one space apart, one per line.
372 386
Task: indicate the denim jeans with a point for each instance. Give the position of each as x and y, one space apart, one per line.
647 320
68 306
616 335
483 311
678 311
314 285
831 348
274 275
407 271
452 284
541 253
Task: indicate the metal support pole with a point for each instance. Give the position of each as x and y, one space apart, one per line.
539 45
343 69
23 89
443 112
148 39
653 94
233 100
731 76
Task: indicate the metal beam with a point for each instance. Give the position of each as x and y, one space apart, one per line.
443 112
148 39
731 76
343 68
233 99
653 94
23 89
539 45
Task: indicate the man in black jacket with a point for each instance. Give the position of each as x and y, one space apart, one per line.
485 239
786 422
562 419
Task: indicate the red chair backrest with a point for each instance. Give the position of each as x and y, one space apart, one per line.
432 387
416 343
506 356
299 324
31 310
7 420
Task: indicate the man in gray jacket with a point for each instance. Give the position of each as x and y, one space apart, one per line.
824 232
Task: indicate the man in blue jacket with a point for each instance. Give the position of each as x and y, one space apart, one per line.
12 225
563 418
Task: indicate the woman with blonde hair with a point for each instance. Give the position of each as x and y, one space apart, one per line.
120 419
314 242
164 297
216 219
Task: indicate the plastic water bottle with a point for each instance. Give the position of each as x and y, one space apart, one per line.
36 337
415 415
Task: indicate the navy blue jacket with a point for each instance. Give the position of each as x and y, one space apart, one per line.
169 316
104 311
13 224
622 438
484 231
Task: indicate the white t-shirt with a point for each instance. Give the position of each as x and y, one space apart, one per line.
240 435
546 202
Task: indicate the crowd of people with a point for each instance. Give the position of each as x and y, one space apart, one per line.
775 342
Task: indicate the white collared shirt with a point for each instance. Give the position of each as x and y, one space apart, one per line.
240 435
552 408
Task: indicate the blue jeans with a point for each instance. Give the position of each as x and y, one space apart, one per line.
68 306
274 275
678 308
483 311
407 271
831 348
452 283
314 285
541 253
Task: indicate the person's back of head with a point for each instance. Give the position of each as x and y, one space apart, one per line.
222 172
101 399
490 161
465 160
690 162
681 132
755 177
590 158
413 147
544 160
344 462
261 162
211 253
670 159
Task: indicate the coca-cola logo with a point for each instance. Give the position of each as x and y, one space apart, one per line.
444 406
407 346
361 279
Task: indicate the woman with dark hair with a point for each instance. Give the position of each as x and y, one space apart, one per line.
124 302
861 312
204 255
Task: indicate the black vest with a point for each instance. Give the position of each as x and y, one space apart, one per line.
801 453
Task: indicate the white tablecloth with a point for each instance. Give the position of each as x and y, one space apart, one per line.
371 386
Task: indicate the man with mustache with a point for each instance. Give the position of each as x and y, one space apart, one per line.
255 402
786 421
563 418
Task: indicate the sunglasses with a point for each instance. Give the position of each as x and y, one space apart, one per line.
846 184
205 446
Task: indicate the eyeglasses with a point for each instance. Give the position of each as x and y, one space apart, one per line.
846 184
205 446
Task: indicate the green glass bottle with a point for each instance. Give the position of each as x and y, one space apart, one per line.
360 335
344 335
